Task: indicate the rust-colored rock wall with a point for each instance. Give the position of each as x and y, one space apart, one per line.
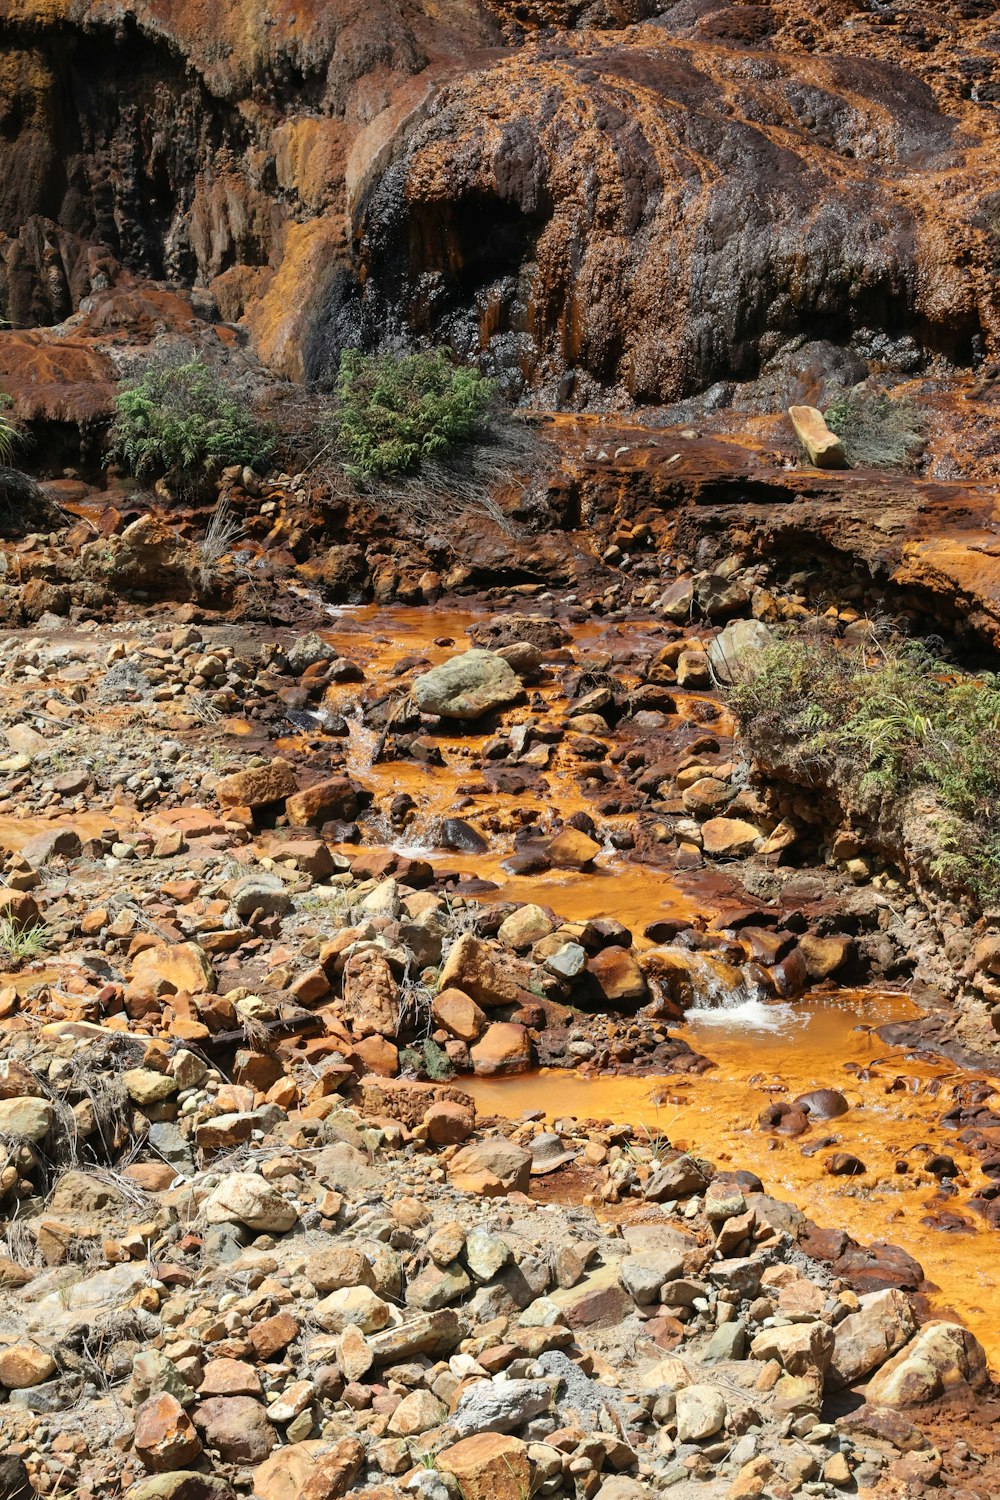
602 202
197 145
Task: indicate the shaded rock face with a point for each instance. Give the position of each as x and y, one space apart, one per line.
200 151
599 208
633 214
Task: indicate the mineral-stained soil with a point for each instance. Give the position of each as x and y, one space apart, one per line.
271 937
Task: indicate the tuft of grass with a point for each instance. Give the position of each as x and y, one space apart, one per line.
11 437
182 420
878 431
882 725
394 414
221 534
20 943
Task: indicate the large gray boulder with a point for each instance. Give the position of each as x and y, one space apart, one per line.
732 651
467 686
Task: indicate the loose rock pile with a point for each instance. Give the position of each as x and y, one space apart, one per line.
258 1241
324 1298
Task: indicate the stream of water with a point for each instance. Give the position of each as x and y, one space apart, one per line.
762 1050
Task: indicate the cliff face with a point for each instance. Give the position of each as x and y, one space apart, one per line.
202 145
601 202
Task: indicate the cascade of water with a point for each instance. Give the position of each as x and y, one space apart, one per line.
719 986
730 997
420 837
713 992
360 753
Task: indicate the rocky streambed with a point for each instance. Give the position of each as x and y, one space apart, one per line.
449 1073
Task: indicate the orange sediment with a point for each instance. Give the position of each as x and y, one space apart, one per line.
895 1103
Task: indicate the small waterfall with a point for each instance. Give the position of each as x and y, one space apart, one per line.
360 753
419 838
718 986
712 992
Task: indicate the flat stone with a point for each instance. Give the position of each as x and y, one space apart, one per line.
335 1266
525 926
434 1334
229 1377
732 836
356 1306
245 1198
146 1086
437 1286
257 786
173 968
798 1347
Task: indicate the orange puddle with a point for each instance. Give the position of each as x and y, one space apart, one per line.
715 1115
635 894
395 633
29 979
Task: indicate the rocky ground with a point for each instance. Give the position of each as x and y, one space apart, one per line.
258 1239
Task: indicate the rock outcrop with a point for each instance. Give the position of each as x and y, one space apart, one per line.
589 204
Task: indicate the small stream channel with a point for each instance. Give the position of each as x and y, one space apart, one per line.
762 1050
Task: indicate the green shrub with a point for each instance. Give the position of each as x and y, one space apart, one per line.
877 431
884 725
184 422
393 414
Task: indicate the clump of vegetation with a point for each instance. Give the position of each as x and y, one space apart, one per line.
183 421
21 501
10 435
877 430
427 1058
394 414
221 535
882 725
20 943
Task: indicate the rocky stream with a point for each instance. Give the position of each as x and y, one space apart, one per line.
477 1022
444 1068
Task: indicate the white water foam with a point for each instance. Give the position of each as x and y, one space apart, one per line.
747 1015
741 1007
